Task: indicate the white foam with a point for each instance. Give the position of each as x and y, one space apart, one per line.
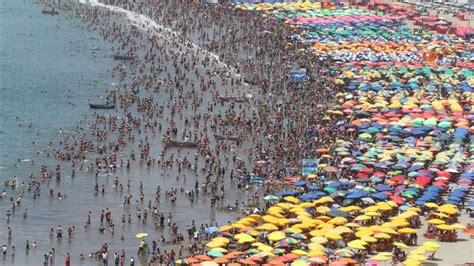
147 24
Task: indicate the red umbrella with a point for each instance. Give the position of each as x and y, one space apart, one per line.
398 200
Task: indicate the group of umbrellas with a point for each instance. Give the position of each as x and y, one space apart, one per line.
410 123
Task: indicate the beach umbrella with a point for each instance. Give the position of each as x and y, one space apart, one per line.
271 198
357 244
215 253
202 257
337 213
431 244
267 227
141 235
276 236
407 230
400 245
209 263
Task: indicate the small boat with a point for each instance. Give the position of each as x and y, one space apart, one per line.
221 137
183 144
51 11
101 106
94 48
122 57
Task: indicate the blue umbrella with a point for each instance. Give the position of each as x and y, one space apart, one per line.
379 196
357 194
211 229
300 183
314 187
383 187
287 193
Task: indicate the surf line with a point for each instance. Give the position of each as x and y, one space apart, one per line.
147 24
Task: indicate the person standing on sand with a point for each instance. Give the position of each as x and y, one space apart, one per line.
67 261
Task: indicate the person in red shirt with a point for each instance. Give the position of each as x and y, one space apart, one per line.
67 260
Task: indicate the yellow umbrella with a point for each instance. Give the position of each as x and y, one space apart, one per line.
351 208
253 233
414 209
315 246
332 235
408 214
357 244
352 225
323 209
215 244
436 221
431 205
319 240
244 238
442 215
337 221
411 262
270 219
343 229
276 236
316 252
382 235
400 245
294 230
446 227
372 208
225 228
221 239
265 248
407 230
369 239
219 249
361 218
299 252
291 199
431 244
267 227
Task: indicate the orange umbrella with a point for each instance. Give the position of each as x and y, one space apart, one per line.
221 260
254 258
234 264
276 263
191 260
203 257
248 262
349 260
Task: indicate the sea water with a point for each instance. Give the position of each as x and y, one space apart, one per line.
49 74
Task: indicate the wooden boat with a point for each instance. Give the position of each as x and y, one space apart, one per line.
101 106
231 137
183 144
122 57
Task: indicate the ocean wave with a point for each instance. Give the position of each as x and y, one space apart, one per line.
149 25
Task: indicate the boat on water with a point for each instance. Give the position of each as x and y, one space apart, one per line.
101 106
231 137
94 48
49 10
122 57
183 144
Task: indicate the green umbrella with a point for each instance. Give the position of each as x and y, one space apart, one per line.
270 198
215 253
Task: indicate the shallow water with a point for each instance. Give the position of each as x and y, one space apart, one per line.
48 76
